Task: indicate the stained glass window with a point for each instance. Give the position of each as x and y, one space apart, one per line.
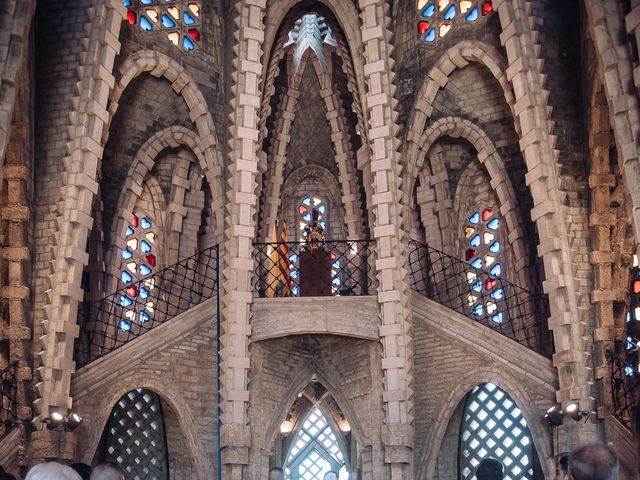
315 451
135 436
632 364
493 426
178 19
436 18
139 261
483 253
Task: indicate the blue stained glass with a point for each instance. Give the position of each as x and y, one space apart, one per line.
477 287
628 316
144 270
630 344
472 16
496 270
628 370
294 274
127 254
125 326
495 247
304 234
474 218
188 19
477 263
322 208
306 201
430 36
146 223
336 264
125 301
493 224
478 309
323 225
307 217
127 3
144 317
475 241
497 318
145 246
130 231
188 44
450 13
144 293
497 294
429 10
145 24
167 22
293 258
126 277
336 281
294 291
146 2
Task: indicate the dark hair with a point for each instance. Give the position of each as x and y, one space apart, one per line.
6 476
593 462
563 462
489 469
82 468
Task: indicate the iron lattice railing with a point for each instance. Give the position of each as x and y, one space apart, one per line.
490 300
338 268
625 388
133 310
8 399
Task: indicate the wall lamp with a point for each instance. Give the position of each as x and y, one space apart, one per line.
59 422
555 415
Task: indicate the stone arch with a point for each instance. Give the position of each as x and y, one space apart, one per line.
206 146
167 394
426 459
491 161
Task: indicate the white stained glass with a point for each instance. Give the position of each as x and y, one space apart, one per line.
315 451
493 426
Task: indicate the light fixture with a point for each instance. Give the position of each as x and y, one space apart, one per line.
55 421
555 416
73 421
573 411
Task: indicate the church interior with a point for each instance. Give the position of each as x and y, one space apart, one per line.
381 238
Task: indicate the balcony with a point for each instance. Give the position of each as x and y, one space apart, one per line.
294 269
625 387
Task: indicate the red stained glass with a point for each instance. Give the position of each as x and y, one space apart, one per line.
489 284
132 291
151 260
487 8
302 209
636 286
134 221
487 214
194 34
132 18
469 254
423 27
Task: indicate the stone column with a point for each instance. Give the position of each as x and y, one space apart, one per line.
397 431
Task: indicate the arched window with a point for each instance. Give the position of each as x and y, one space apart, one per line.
483 253
632 366
493 426
135 436
179 19
307 204
437 17
315 450
139 261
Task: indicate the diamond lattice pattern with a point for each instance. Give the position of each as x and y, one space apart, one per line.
315 450
136 436
493 426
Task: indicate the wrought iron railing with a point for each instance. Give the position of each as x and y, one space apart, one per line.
625 387
488 299
338 268
8 399
124 315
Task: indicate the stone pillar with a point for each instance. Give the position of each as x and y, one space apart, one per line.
397 431
240 234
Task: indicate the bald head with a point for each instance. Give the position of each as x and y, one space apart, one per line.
107 471
593 462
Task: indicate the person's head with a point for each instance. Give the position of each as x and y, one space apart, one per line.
276 473
489 469
107 471
83 469
6 476
562 469
330 475
593 462
52 471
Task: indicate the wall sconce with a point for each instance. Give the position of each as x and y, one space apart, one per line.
555 415
59 422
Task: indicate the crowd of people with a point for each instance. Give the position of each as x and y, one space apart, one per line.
77 471
593 462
